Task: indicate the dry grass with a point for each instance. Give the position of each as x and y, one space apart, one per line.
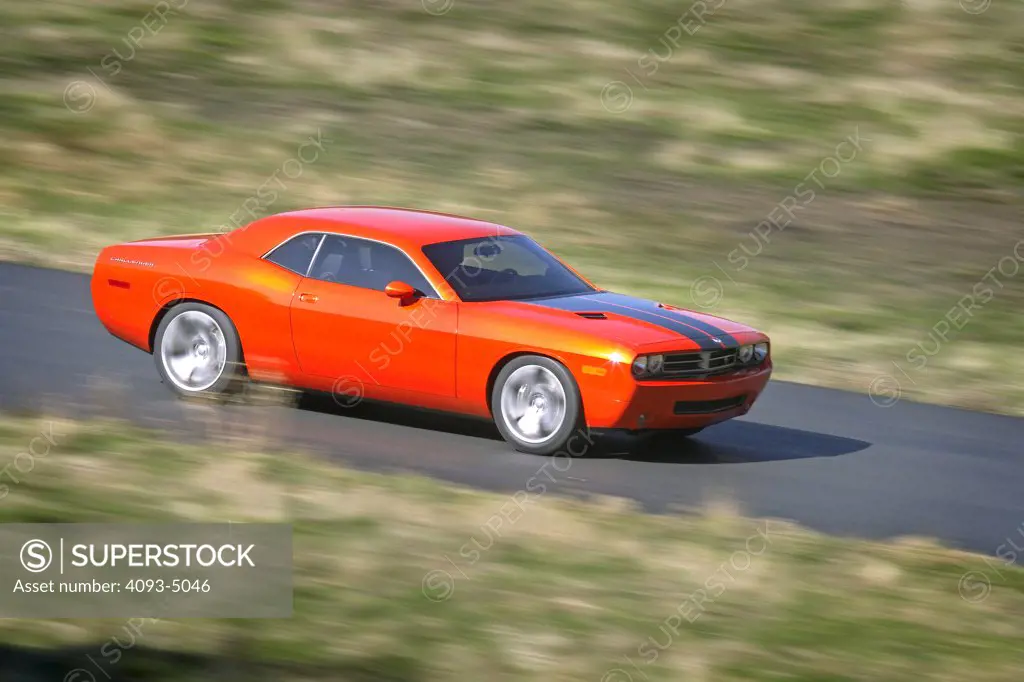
561 590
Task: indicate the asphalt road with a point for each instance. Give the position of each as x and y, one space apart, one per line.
830 460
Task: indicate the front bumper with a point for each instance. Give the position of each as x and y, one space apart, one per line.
683 404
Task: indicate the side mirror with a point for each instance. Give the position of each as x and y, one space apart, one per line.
400 290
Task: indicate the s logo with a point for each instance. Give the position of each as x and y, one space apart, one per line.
36 556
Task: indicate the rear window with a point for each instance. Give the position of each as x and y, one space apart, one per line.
296 254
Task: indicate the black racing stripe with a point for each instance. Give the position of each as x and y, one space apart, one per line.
728 340
701 338
584 304
666 319
601 303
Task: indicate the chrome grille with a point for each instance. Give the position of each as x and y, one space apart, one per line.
699 363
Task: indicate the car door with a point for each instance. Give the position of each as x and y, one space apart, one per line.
344 325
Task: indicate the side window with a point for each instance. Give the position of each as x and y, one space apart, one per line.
366 264
296 253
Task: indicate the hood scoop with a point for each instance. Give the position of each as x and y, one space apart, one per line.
593 315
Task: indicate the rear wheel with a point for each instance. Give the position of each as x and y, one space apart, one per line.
197 350
536 404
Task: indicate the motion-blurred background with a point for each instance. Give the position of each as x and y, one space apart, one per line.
845 175
650 143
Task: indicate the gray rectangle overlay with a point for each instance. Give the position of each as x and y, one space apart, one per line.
103 570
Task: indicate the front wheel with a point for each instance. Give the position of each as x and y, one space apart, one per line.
536 404
197 350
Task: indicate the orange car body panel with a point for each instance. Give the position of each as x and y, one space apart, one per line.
439 353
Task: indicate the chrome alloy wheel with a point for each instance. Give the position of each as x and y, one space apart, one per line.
533 403
193 351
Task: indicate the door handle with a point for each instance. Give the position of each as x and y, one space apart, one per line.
309 298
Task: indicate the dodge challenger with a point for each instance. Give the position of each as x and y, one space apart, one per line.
429 310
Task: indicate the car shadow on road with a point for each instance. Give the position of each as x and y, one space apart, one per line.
733 442
401 415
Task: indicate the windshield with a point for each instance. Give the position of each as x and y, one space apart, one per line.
503 268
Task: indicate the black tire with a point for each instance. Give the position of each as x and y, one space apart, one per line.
572 420
223 378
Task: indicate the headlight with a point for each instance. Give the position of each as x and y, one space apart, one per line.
745 354
760 352
640 366
648 365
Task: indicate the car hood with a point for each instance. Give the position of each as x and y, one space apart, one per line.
640 322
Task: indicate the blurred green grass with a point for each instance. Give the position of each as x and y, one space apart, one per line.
495 110
558 590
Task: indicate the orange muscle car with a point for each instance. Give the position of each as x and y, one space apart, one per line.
425 309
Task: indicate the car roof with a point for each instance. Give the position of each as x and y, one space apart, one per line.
409 227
